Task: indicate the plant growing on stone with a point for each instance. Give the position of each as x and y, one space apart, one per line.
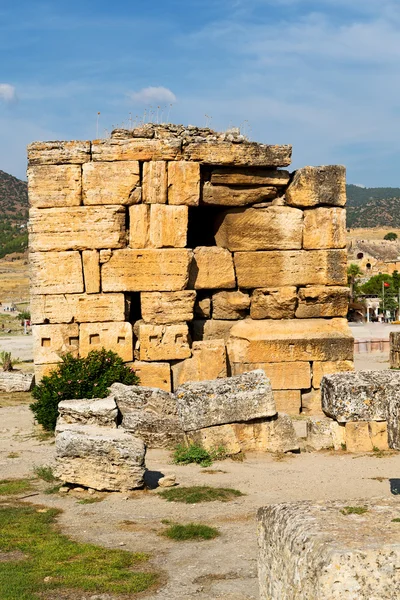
88 377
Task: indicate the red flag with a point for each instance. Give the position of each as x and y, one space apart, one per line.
386 284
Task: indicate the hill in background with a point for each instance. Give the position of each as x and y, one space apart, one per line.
13 214
373 207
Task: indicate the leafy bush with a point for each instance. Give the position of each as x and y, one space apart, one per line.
391 236
88 377
191 531
184 455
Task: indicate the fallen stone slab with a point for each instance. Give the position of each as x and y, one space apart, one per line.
314 551
102 412
15 381
360 395
227 400
101 458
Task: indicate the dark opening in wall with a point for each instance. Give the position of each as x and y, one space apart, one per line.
368 265
132 307
360 255
202 224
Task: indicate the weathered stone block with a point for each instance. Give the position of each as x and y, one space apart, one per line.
91 271
314 551
50 342
211 438
212 268
358 437
15 381
248 177
77 308
379 435
202 308
44 371
319 433
168 226
54 185
394 349
211 329
101 458
56 153
273 228
393 419
274 303
324 228
320 369
139 226
208 361
184 183
154 185
153 374
110 182
230 305
318 185
56 273
148 270
243 398
234 196
245 154
76 228
136 149
112 336
167 307
164 342
311 403
288 401
322 301
102 412
283 375
290 267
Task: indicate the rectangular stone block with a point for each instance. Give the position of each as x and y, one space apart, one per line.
54 185
379 435
58 153
291 267
184 183
76 228
56 273
153 374
163 342
324 228
273 228
311 402
316 550
235 196
136 149
230 305
77 308
146 270
155 182
283 376
212 268
288 401
111 336
211 329
51 342
44 371
110 183
168 226
249 177
322 301
139 226
320 369
167 307
208 361
245 154
91 271
358 437
312 186
274 303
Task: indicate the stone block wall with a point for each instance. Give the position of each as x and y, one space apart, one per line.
193 255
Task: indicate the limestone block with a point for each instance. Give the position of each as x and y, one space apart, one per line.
168 226
102 412
274 303
379 435
54 185
283 375
101 458
394 349
110 182
311 402
273 228
234 196
319 433
359 396
51 342
312 186
202 308
211 438
358 438
164 342
338 435
246 154
149 414
320 369
322 301
76 228
44 371
324 228
56 153
249 177
211 329
290 267
290 341
153 374
393 421
212 268
77 308
15 381
230 305
91 271
288 401
139 226
208 361
184 183
311 550
147 270
104 256
154 184
56 273
228 400
136 149
112 336
167 307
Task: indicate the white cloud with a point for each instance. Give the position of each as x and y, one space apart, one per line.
7 92
153 94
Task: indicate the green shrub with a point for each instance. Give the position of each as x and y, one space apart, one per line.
88 377
184 455
199 493
191 531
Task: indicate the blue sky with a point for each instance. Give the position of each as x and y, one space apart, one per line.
323 75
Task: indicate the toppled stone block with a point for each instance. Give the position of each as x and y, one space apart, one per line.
359 396
312 550
322 301
183 183
320 369
230 306
102 412
91 271
249 177
208 361
110 183
15 381
101 458
58 153
167 307
274 303
153 374
324 228
115 336
242 398
54 185
51 342
318 185
244 154
234 196
56 273
164 342
77 308
212 268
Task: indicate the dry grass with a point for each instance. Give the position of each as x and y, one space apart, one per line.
14 280
15 399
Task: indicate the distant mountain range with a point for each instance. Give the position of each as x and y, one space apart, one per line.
373 207
13 214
